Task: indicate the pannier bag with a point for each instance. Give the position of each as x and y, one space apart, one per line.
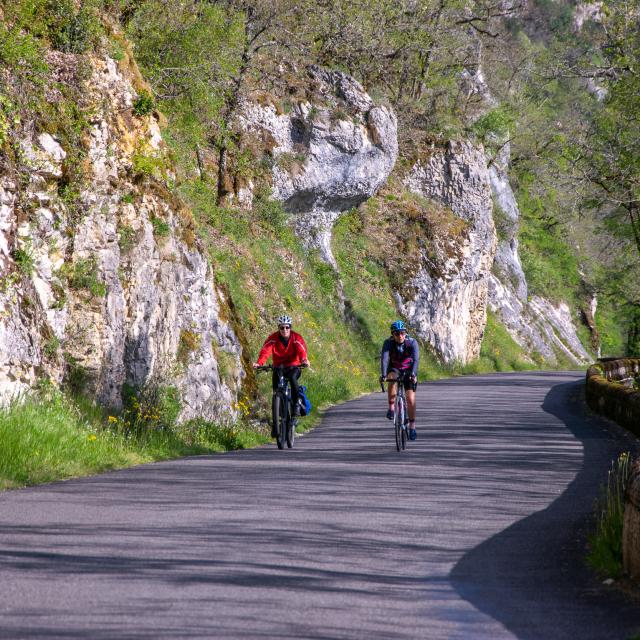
303 401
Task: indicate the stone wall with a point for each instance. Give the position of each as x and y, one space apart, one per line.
607 394
609 391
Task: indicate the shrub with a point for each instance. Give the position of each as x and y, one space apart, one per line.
605 554
152 407
161 228
144 104
126 238
188 343
73 29
24 259
83 274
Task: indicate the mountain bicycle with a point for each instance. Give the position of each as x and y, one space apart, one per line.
282 409
400 415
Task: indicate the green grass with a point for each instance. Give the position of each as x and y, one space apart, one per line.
605 543
52 437
499 351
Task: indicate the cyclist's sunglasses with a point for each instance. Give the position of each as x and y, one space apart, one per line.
284 326
400 333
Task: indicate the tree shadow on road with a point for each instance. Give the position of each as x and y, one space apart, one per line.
532 577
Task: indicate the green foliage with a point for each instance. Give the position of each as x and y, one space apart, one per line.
605 543
496 125
21 46
8 118
127 238
24 260
153 407
611 330
189 52
504 224
499 352
161 228
143 104
51 436
84 274
189 343
549 264
46 439
76 375
51 346
73 28
148 164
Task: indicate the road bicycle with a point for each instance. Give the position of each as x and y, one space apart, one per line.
282 409
400 415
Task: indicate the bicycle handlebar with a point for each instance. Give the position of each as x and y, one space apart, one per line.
400 378
270 367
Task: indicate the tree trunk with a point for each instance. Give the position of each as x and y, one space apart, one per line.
200 163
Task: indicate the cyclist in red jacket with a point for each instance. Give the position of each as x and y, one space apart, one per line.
286 348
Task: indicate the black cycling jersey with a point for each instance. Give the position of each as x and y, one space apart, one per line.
400 356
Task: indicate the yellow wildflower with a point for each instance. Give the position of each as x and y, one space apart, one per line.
92 437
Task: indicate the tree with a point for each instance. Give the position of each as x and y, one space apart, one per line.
190 53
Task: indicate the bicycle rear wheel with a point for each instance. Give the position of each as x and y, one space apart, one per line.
279 418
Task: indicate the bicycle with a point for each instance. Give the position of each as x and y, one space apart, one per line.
282 409
400 416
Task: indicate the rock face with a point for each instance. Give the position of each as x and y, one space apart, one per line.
108 283
330 156
450 302
536 325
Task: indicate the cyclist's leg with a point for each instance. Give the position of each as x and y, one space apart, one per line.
274 385
293 376
410 395
391 392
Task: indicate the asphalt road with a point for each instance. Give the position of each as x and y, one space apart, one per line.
476 531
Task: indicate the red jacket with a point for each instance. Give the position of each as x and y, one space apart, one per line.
293 354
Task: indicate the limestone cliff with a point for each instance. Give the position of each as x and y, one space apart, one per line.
105 281
449 307
537 324
329 156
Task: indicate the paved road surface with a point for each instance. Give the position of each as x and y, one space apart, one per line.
476 532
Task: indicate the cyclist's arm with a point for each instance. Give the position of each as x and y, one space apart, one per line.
416 359
301 350
266 351
384 359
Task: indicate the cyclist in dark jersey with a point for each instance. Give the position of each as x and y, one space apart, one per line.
400 353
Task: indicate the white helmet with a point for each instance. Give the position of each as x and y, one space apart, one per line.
285 320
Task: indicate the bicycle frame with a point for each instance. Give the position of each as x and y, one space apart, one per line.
400 409
283 389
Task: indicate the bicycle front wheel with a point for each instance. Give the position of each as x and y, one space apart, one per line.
291 429
398 419
400 415
278 415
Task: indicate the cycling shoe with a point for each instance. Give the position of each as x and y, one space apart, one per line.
390 414
413 434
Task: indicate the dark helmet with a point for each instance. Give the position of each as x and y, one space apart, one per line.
398 325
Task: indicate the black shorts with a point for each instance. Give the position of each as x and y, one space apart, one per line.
406 383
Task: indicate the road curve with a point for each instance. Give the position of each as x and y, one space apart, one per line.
475 532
